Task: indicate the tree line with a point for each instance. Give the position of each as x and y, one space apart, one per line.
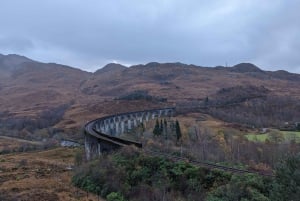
163 128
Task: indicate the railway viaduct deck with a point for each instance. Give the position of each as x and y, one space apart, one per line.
102 135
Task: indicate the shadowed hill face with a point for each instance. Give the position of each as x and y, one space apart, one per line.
12 62
281 74
246 68
112 67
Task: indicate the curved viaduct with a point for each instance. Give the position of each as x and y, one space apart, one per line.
102 135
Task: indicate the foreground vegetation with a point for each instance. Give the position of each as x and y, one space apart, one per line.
214 141
131 175
40 175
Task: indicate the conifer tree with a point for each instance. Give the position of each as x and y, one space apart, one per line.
178 131
161 127
156 130
143 127
298 126
165 129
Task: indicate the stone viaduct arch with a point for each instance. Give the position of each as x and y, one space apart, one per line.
102 135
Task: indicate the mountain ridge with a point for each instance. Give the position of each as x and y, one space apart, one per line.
240 67
110 67
34 87
245 68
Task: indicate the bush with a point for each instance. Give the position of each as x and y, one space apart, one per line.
131 173
241 187
287 183
113 196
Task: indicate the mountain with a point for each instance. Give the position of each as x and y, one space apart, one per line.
111 67
284 75
246 68
31 88
177 81
68 97
12 62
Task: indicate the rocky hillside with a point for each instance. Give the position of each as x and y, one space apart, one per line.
176 81
69 97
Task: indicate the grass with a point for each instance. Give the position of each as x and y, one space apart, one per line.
288 135
292 135
41 175
255 137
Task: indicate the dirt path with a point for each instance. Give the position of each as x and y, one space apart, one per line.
20 140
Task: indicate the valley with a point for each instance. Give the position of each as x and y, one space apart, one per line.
241 117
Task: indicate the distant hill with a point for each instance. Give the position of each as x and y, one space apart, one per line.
111 67
12 62
30 88
245 68
282 74
180 81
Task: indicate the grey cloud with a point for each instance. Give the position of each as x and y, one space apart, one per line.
93 32
10 43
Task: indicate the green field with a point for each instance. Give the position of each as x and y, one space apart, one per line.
288 136
257 137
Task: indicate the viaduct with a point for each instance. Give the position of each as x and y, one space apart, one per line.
102 135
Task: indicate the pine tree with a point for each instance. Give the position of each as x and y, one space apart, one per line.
161 127
206 101
178 131
143 127
165 129
156 130
298 126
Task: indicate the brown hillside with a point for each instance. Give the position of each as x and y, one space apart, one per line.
177 81
34 86
31 88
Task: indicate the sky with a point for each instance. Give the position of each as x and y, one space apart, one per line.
88 34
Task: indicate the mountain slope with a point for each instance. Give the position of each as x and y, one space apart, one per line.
12 62
31 88
245 68
179 81
110 68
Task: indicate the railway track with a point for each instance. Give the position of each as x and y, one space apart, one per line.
120 141
205 164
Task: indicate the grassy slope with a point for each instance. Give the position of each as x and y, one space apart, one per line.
39 176
288 135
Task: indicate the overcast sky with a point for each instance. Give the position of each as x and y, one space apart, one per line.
90 33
